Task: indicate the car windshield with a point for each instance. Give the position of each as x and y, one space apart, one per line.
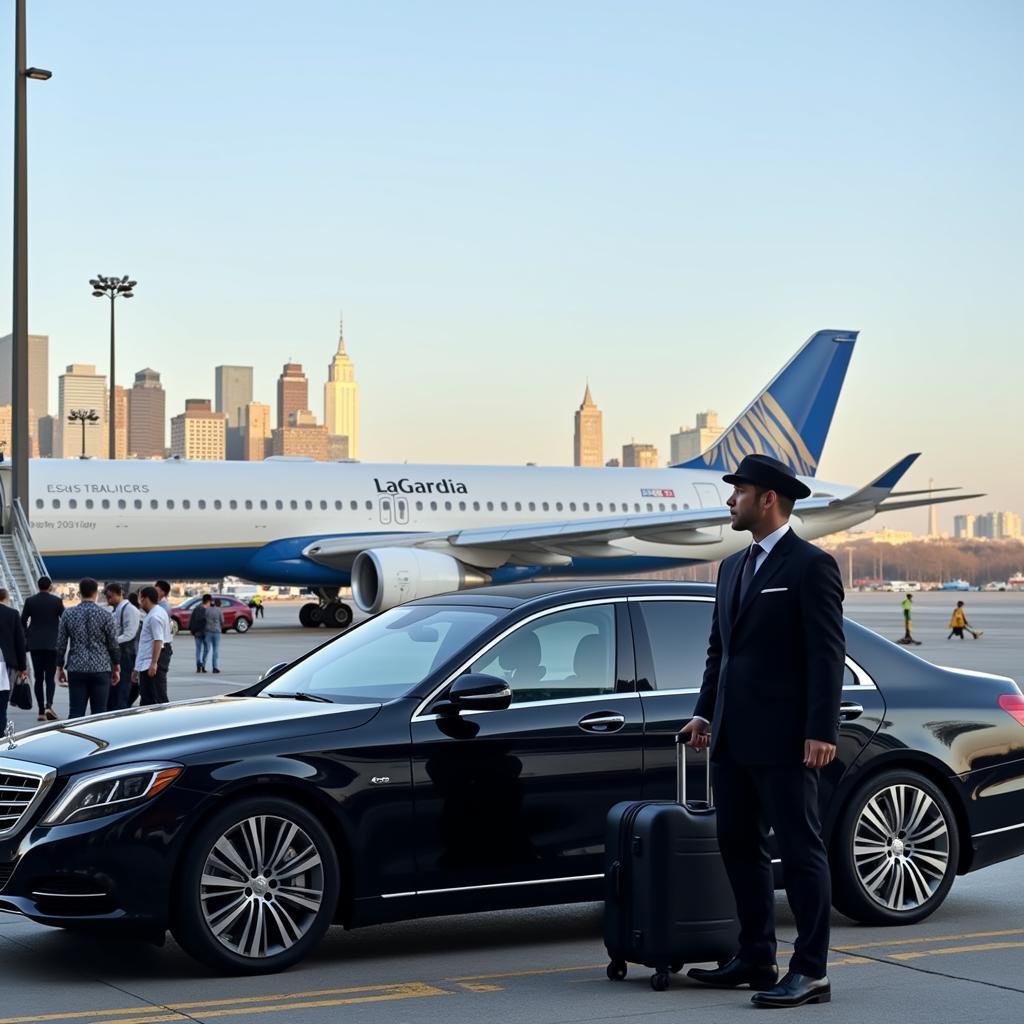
387 656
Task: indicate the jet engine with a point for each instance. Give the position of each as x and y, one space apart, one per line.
386 577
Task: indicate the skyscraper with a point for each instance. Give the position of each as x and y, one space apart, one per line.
198 432
588 439
120 422
232 393
81 387
642 455
691 441
38 381
292 393
257 431
302 437
963 526
147 416
38 375
341 398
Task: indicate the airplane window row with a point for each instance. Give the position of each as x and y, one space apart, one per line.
250 504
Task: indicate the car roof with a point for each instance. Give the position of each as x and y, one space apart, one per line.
515 595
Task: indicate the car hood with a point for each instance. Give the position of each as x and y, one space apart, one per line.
181 729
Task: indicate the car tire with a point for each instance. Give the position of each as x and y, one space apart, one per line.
248 921
242 624
175 628
895 851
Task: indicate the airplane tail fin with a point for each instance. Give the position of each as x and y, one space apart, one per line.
790 418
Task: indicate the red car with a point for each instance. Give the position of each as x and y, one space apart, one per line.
237 614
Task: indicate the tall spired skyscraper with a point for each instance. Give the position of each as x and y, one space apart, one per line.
341 398
588 441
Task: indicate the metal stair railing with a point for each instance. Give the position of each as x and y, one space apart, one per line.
29 564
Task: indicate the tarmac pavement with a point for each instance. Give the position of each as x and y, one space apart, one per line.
966 962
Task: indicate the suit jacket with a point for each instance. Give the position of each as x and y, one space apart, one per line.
774 673
40 616
12 640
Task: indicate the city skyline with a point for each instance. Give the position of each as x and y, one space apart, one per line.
660 202
633 452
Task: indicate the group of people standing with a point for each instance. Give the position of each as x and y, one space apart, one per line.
108 658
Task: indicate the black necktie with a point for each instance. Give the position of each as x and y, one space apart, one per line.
748 571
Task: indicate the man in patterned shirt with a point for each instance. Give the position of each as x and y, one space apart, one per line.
94 660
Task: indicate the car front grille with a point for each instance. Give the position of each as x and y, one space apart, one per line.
17 794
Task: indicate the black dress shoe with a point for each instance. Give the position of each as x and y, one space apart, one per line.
735 973
794 990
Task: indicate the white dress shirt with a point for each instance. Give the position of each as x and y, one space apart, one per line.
768 543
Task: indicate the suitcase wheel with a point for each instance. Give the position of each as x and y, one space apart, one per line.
659 981
616 970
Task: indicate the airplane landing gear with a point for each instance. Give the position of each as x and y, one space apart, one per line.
309 615
337 615
328 611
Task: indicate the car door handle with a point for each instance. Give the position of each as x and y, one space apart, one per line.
602 721
848 711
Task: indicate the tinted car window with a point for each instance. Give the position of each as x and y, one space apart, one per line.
565 654
678 632
386 656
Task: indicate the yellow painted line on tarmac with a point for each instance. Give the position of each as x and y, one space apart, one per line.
522 974
243 1004
950 950
177 1013
846 946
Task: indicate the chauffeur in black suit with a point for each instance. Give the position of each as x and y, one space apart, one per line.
769 710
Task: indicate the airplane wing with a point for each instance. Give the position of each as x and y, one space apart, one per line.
548 542
558 542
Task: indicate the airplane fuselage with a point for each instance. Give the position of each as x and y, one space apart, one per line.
206 520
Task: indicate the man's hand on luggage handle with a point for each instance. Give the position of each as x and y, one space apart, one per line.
696 733
818 753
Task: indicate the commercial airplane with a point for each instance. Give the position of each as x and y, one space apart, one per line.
397 532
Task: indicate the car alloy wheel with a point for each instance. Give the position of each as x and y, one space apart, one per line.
901 847
258 886
262 886
896 850
242 624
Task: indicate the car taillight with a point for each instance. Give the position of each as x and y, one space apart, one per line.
1013 704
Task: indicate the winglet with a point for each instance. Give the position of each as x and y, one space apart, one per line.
879 488
892 476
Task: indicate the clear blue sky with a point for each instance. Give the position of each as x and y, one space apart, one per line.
506 199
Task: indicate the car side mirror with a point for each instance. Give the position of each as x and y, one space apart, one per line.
477 692
273 670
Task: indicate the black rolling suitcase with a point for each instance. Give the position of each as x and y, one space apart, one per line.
667 897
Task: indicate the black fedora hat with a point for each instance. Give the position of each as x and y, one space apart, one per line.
764 471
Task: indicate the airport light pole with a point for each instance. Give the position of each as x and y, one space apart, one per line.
112 288
19 325
83 416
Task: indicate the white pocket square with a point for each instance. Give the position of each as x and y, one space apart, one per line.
774 590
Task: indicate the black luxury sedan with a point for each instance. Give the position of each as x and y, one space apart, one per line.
460 753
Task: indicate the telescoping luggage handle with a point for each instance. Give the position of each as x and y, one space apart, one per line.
681 774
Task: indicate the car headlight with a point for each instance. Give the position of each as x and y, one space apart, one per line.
110 790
